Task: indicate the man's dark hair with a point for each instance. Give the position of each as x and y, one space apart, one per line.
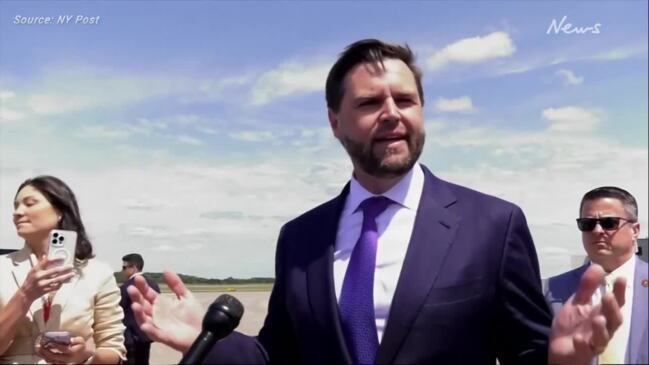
366 51
65 203
134 259
630 205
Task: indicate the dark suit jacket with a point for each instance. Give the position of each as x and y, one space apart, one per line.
561 287
133 334
469 290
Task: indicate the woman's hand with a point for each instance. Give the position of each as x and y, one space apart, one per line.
76 352
42 280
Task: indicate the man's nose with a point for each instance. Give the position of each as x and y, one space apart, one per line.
390 111
598 228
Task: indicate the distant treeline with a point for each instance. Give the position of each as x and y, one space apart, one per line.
189 279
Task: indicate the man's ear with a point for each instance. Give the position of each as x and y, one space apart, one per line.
636 230
333 122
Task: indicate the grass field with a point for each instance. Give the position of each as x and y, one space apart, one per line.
205 288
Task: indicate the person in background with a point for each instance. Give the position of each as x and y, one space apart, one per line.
138 345
401 266
608 221
82 299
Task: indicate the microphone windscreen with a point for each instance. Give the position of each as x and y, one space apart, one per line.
223 315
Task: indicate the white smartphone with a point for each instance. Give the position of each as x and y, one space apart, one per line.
55 337
62 244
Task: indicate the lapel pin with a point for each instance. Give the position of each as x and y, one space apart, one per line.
645 282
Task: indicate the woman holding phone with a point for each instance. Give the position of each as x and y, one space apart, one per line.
51 312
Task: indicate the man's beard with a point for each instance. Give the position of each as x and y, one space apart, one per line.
362 154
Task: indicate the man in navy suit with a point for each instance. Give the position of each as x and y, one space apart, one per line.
609 230
138 345
401 267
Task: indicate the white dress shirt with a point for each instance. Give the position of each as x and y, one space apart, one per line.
394 225
616 348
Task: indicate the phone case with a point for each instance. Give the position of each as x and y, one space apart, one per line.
58 337
62 244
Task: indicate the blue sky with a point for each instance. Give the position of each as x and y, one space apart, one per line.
191 131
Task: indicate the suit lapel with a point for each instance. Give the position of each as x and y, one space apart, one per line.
573 284
639 315
322 296
433 233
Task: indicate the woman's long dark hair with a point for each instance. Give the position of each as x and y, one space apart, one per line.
63 200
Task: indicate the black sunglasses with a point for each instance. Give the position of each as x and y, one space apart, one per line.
607 223
125 267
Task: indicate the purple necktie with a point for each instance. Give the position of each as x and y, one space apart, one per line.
357 295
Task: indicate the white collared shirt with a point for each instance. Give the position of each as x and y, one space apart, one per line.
395 227
621 336
135 274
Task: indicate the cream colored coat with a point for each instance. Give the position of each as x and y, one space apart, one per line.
87 306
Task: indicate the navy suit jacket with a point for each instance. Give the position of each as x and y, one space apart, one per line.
469 290
561 287
132 333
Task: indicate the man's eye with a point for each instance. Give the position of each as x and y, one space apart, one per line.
405 101
367 103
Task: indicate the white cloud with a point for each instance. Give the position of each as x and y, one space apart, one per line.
187 140
543 60
483 137
473 50
142 126
217 86
74 89
435 125
182 249
146 126
103 132
253 136
289 79
461 104
573 118
144 203
187 119
569 77
621 53
49 104
10 115
550 173
207 130
7 111
208 89
6 95
153 232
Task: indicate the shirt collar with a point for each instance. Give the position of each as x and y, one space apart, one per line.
406 192
626 270
137 273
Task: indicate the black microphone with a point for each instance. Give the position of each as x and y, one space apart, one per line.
221 319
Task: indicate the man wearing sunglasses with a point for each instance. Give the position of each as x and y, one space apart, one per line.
138 345
608 220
